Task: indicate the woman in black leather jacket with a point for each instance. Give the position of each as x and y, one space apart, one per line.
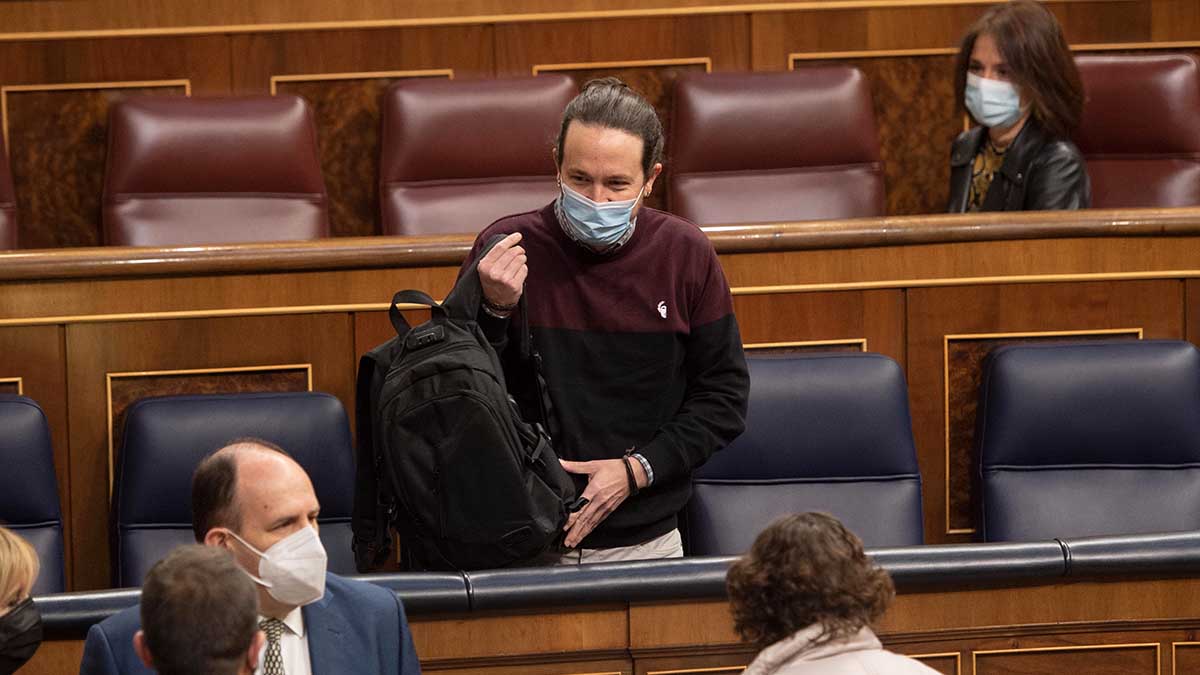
1017 79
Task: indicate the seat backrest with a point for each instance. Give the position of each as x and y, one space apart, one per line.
8 203
1140 132
1090 439
825 433
165 439
458 155
28 489
185 171
762 147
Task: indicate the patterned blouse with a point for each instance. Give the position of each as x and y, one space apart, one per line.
987 163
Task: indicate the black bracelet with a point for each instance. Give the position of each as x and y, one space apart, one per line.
633 487
499 308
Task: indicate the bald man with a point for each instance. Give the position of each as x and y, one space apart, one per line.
255 501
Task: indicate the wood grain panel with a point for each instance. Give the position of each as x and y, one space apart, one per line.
36 354
58 145
964 358
1191 311
708 664
125 389
348 119
1174 20
876 316
498 635
325 341
1098 660
934 313
559 667
55 657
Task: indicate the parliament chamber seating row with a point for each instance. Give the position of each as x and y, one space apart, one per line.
1076 440
745 147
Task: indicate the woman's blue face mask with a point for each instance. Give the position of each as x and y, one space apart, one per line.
995 104
597 224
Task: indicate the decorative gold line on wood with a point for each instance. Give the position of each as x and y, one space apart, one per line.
643 63
962 281
861 342
718 669
1074 648
942 655
793 57
947 339
20 384
447 73
74 86
739 290
1174 668
538 17
109 377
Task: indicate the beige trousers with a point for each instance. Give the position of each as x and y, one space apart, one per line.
668 545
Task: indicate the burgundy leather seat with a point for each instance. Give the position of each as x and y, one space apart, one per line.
764 147
459 155
8 204
184 171
1141 129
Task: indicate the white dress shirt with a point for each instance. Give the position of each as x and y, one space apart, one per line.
293 645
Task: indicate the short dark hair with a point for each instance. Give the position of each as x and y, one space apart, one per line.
609 102
806 569
214 487
1036 52
199 612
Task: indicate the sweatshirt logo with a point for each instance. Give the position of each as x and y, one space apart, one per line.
662 308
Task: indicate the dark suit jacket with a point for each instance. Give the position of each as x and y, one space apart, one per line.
1040 173
355 628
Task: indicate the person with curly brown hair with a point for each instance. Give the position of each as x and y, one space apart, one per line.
806 594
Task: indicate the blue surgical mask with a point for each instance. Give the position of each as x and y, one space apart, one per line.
597 224
993 103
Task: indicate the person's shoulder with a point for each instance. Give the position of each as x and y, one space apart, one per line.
1060 151
965 145
675 228
359 592
127 621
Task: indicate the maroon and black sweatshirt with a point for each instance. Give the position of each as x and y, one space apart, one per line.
639 348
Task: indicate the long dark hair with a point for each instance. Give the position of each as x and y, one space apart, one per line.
609 102
1036 52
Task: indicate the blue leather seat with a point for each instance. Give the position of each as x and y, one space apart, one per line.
28 490
1090 439
165 438
825 433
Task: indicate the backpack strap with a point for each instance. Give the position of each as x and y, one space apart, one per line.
412 297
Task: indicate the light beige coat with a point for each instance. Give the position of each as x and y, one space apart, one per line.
859 654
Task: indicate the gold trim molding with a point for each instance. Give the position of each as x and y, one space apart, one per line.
1073 648
82 86
108 386
705 61
860 342
20 384
691 670
942 655
964 337
1174 668
447 73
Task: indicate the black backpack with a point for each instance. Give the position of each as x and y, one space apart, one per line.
443 453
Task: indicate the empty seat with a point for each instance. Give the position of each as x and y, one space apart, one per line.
165 439
1141 129
184 171
1090 439
8 203
458 155
28 489
825 433
762 147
